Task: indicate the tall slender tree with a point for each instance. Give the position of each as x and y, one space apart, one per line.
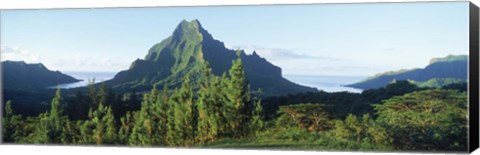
162 109
172 134
185 121
42 130
257 123
50 125
206 115
238 98
104 131
142 130
127 123
55 121
10 124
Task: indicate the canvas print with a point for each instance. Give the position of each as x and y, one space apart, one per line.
348 77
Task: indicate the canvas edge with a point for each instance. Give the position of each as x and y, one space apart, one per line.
1 86
473 84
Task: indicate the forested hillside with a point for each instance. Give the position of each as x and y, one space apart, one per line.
440 72
224 114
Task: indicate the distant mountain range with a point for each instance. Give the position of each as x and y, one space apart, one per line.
440 72
190 46
18 75
185 51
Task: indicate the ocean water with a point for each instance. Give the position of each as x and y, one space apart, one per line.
85 77
327 83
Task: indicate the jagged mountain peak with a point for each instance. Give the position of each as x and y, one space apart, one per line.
185 52
187 34
189 30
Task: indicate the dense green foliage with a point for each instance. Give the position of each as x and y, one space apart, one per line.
449 58
342 103
426 120
442 71
439 82
223 113
10 124
168 117
184 53
25 83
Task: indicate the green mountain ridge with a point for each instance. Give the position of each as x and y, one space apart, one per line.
19 75
439 82
449 58
440 72
185 52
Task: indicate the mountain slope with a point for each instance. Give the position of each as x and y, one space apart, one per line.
20 75
185 51
453 67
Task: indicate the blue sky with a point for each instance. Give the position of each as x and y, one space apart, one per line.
326 39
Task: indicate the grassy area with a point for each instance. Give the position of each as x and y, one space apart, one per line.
264 144
294 138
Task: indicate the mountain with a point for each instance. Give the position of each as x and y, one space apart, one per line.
185 52
440 82
20 75
440 72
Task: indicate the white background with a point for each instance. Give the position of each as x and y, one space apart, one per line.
79 150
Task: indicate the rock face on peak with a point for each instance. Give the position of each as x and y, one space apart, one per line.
446 70
185 51
19 75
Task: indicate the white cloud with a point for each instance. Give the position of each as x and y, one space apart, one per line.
280 53
81 62
107 62
18 54
298 63
75 60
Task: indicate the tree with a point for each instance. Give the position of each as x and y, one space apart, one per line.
293 112
148 128
50 126
238 96
221 106
182 128
103 94
426 120
364 133
142 129
70 132
351 128
56 123
162 110
257 123
11 124
127 123
104 131
172 134
314 117
92 92
42 130
205 111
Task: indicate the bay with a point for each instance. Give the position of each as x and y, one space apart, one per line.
85 77
327 83
324 83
